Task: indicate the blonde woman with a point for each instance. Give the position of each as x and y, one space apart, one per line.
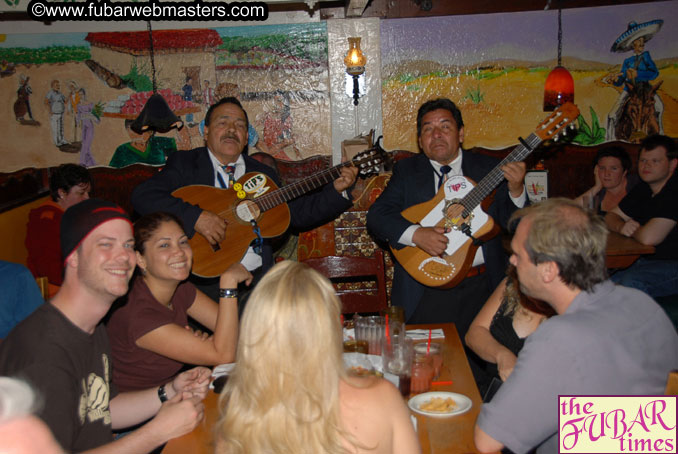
289 392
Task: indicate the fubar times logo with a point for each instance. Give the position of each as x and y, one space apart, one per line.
617 424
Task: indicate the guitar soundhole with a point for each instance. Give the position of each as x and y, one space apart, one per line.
247 210
437 269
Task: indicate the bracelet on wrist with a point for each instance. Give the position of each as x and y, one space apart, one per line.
228 293
162 394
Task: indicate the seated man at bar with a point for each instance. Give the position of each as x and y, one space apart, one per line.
68 185
649 213
63 351
605 339
415 180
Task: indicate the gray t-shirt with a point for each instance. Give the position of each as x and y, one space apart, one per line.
612 341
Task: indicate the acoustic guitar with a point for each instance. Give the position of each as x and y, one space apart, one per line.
456 206
255 202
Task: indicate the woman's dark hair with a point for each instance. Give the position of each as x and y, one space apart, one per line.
65 177
614 152
146 226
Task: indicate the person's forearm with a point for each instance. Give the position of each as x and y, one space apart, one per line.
481 341
614 222
131 408
141 441
226 333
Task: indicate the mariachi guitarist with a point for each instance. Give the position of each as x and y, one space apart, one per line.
226 124
440 132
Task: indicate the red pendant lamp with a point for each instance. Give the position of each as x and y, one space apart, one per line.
559 86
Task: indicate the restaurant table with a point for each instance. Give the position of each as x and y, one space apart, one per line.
622 251
449 435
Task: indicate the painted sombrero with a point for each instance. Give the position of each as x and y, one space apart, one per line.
645 30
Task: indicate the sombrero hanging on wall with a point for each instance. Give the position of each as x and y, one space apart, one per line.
645 30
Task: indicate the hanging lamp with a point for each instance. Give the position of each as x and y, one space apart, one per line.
559 86
156 114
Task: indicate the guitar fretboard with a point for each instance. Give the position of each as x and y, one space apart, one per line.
299 188
492 179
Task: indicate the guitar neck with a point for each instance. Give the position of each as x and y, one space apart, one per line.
492 179
299 188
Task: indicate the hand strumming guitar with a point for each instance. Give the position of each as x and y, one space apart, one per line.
211 226
431 240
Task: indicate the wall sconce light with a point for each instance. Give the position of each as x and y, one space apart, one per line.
559 86
355 65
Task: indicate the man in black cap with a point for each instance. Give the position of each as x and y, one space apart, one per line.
63 351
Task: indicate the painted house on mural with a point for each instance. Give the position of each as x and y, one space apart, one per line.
258 69
178 54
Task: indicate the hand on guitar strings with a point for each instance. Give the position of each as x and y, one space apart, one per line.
514 172
431 240
211 226
345 181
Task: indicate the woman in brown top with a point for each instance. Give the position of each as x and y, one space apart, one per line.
149 335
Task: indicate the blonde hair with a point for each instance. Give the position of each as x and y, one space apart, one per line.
283 396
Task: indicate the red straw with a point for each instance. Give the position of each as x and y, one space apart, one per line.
428 345
441 383
388 334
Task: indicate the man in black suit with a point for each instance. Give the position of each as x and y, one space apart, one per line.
415 180
226 126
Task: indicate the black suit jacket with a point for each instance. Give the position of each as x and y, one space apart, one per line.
413 183
187 167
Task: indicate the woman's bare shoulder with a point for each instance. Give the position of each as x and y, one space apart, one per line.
368 389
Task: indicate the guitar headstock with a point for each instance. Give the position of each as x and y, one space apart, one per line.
369 162
554 125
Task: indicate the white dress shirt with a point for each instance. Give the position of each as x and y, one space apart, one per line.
251 260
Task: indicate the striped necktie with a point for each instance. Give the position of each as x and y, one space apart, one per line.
230 173
444 170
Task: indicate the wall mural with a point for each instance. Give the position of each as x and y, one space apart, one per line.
494 67
71 97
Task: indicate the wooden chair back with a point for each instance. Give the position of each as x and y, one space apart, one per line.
349 276
43 285
672 384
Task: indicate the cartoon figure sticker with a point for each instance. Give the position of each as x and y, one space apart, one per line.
255 185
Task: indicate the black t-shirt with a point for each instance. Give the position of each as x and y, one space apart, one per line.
70 370
641 206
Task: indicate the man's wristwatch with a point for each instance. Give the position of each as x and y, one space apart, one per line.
162 394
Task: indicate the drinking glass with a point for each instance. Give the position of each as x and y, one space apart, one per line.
396 357
422 373
436 353
370 329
